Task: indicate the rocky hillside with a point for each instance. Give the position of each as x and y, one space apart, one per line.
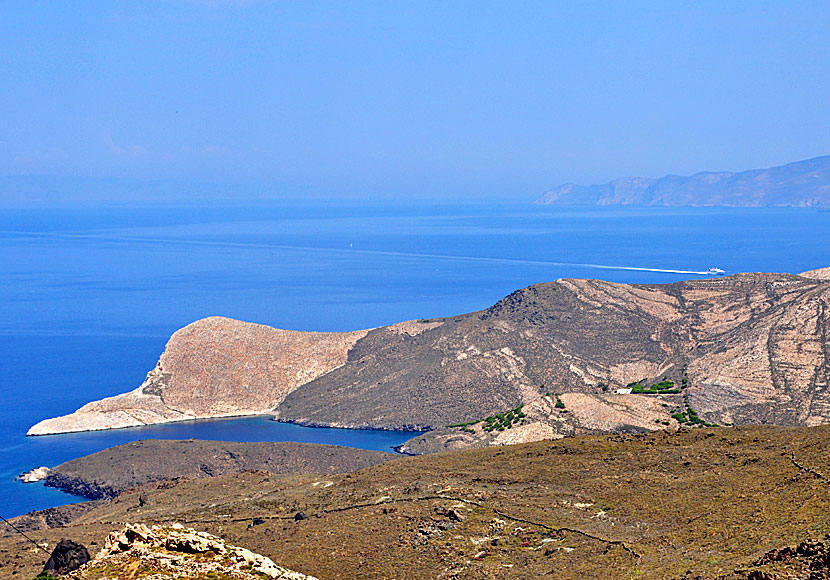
799 184
726 503
215 367
749 348
109 472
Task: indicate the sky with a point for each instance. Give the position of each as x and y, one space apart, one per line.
445 99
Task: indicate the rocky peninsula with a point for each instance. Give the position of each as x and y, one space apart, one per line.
215 367
109 472
561 358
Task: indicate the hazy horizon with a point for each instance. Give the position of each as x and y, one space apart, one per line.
388 101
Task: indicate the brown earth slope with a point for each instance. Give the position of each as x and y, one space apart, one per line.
724 503
111 471
751 348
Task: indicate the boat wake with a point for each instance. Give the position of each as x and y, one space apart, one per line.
356 251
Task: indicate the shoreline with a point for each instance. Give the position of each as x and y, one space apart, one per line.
365 427
154 424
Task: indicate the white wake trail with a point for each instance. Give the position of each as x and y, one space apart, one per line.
352 251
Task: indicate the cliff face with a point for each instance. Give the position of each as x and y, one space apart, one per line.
800 184
215 367
744 348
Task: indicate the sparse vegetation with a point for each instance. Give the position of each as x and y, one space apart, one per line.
466 426
502 421
689 417
664 387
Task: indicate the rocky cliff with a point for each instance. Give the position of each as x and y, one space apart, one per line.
749 348
800 184
215 367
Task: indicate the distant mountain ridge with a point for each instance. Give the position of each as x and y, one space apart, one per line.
799 184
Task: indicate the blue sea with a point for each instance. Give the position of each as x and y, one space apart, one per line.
89 297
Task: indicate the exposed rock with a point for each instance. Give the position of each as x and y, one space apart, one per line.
819 274
179 552
525 434
810 559
56 517
753 348
66 557
215 367
749 348
582 414
34 475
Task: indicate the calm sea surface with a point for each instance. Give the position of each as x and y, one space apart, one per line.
88 298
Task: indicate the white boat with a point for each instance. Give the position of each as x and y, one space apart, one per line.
715 272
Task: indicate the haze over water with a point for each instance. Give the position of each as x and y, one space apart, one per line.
90 297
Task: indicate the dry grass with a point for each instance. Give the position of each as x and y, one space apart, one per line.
660 505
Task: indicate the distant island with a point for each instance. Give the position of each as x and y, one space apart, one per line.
799 184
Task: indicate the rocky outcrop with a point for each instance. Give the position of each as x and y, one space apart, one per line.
178 552
66 557
820 274
215 367
810 559
56 517
580 414
748 348
37 474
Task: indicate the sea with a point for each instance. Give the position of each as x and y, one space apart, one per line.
88 297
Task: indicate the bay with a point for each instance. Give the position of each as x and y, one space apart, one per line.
90 296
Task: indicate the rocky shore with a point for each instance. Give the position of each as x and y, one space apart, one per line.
747 348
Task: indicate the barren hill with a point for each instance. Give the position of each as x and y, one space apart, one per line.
726 503
109 472
749 348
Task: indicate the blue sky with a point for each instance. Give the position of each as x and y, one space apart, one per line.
410 99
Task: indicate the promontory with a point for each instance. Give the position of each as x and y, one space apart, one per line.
561 358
